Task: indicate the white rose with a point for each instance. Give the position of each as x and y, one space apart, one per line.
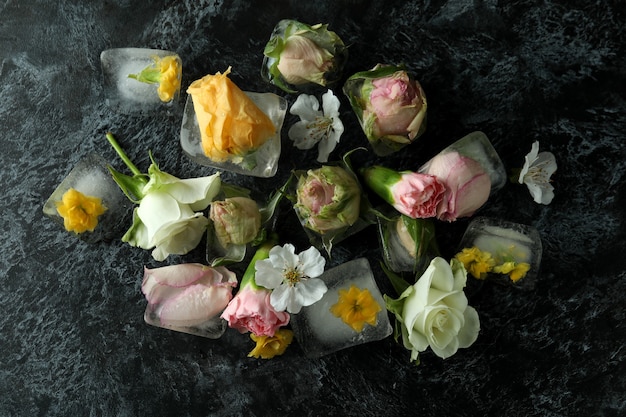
166 219
434 311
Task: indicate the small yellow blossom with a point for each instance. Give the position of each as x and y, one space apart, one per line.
165 71
476 262
80 212
269 346
356 307
169 84
515 270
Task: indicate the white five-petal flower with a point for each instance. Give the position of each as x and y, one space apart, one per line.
536 173
292 277
316 126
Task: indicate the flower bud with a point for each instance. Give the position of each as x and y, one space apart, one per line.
302 61
237 220
328 199
298 55
390 104
394 106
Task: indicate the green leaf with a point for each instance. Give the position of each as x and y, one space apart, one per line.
398 283
132 187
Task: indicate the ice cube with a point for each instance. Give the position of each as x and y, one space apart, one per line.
319 332
506 241
212 328
400 252
477 146
91 177
263 162
122 92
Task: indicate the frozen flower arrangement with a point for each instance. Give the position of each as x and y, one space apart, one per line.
280 289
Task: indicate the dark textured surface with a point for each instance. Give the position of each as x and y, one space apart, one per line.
72 337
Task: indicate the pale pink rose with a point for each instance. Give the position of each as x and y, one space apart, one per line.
396 103
328 198
187 294
417 195
250 310
303 61
467 184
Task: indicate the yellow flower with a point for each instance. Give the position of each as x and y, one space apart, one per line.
356 307
476 262
515 270
231 124
80 212
269 346
169 83
165 71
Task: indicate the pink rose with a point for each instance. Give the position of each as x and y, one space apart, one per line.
467 184
395 104
417 195
187 295
250 310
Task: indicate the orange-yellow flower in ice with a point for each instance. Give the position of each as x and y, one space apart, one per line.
171 71
515 270
476 262
79 211
269 346
165 71
356 307
231 125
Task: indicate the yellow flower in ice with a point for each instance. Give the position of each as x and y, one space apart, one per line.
476 262
169 84
80 212
165 71
231 124
269 346
515 270
356 307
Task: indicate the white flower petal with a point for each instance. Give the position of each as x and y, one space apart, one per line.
157 209
302 136
284 257
306 107
282 298
330 104
471 328
310 291
312 263
195 190
267 275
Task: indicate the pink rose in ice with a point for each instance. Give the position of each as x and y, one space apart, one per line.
187 294
467 184
328 198
417 195
250 310
395 105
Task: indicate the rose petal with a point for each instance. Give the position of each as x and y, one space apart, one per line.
194 305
